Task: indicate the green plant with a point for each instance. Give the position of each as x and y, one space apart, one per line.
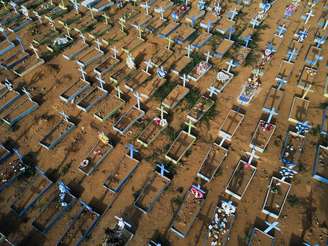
164 90
293 200
192 97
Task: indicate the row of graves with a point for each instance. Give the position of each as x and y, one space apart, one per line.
176 23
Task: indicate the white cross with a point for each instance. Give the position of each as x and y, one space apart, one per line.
209 26
271 226
146 7
252 155
20 43
161 109
185 79
37 16
254 22
91 13
247 40
161 12
118 90
317 58
292 54
169 39
83 73
230 64
106 18
208 56
14 5
189 50
138 97
27 93
115 52
76 6
308 15
281 30
65 116
190 126
9 85
186 2
213 91
139 29
233 14
122 23
149 64
35 50
272 112
82 37
101 81
98 43
67 30
307 91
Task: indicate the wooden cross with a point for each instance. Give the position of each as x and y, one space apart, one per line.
35 50
170 40
190 126
185 79
189 50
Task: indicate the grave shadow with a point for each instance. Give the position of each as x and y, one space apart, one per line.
238 109
76 188
33 238
132 215
160 238
10 144
9 223
98 205
295 240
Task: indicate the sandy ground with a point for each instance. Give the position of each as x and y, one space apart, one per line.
303 220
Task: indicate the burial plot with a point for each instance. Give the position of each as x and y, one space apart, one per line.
75 50
298 110
106 66
122 72
13 57
292 149
175 96
212 161
324 123
307 79
55 13
313 57
320 167
19 24
5 44
281 28
199 70
20 108
231 124
10 169
121 173
273 99
194 15
106 108
128 119
168 29
285 72
27 65
148 88
161 56
80 227
201 40
96 155
35 187
99 30
325 90
181 64
224 25
182 33
259 237
249 90
223 78
179 11
7 96
151 192
136 79
74 90
240 179
180 146
223 47
293 51
200 108
58 202
88 98
56 135
121 233
276 197
184 219
89 56
241 55
221 224
262 135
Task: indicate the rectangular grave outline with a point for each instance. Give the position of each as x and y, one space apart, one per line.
288 134
290 118
146 144
254 230
72 97
226 135
315 174
123 131
253 145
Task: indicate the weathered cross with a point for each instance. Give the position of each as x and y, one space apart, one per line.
67 28
255 22
106 17
91 13
170 40
146 7
271 226
35 50
101 81
140 31
190 126
98 43
232 14
208 56
122 22
138 97
83 73
82 37
213 91
118 90
231 64
185 79
65 116
115 52
14 6
161 11
149 64
272 112
162 169
161 109
62 5
132 150
189 50
51 22
307 90
76 5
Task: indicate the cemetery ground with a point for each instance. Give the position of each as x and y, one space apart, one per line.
304 216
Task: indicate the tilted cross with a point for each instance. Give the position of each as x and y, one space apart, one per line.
162 169
230 64
272 112
118 90
65 116
170 40
83 73
271 226
146 7
101 81
149 64
132 150
35 50
213 91
122 22
255 22
161 109
190 126
27 93
291 54
281 29
208 56
98 43
115 52
189 50
308 15
232 14
185 79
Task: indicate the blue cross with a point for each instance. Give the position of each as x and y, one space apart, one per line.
162 169
291 54
271 226
303 127
281 30
231 30
132 150
247 39
271 47
320 41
